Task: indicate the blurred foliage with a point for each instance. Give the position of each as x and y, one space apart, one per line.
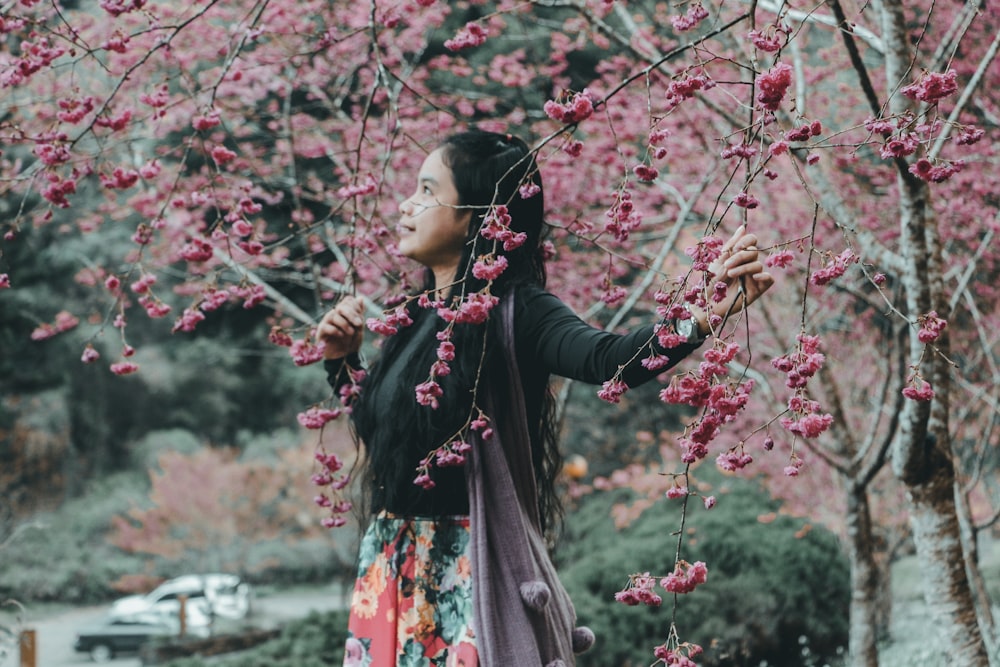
65 554
64 423
316 640
62 555
777 589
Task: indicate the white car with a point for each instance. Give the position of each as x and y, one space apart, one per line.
206 596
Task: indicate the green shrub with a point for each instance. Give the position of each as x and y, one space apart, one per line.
62 555
776 592
316 640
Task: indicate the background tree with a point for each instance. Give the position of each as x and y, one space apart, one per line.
253 154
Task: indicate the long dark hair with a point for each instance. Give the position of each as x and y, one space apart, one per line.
488 169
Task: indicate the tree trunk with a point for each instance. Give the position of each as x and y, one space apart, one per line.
863 647
970 546
934 520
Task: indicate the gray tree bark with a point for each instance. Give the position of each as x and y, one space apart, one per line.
922 455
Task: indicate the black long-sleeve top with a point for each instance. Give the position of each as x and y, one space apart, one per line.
550 339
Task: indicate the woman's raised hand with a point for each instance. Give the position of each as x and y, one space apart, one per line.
740 268
342 328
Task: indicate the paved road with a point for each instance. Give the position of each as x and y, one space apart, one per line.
55 634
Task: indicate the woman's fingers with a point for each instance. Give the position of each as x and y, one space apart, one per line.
342 328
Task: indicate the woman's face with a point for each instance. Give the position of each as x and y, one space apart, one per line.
432 230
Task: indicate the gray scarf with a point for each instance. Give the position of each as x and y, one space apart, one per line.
523 615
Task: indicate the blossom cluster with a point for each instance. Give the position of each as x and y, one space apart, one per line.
801 365
450 454
804 132
917 388
331 482
931 327
936 173
835 267
473 309
773 85
806 420
118 7
681 656
471 35
640 590
489 267
64 321
932 87
622 216
685 87
305 351
695 14
453 452
771 39
576 109
496 227
35 55
685 577
394 319
707 251
429 391
721 402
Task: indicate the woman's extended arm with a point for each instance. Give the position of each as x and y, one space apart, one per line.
551 336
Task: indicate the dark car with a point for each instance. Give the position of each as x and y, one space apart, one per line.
122 634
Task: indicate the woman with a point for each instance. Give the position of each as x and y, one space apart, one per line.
454 569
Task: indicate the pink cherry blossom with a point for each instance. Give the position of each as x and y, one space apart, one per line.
746 200
685 577
675 492
489 267
694 15
115 123
118 7
931 327
188 320
124 368
770 40
932 87
645 173
120 179
612 390
207 120
428 393
834 268
471 35
781 259
305 352
222 155
316 417
528 190
918 389
772 86
575 110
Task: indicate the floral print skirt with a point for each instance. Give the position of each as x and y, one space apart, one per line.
412 601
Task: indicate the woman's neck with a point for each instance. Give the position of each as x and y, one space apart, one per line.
444 278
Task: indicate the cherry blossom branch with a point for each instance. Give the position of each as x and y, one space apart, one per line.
962 284
963 99
781 8
287 305
164 43
959 26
